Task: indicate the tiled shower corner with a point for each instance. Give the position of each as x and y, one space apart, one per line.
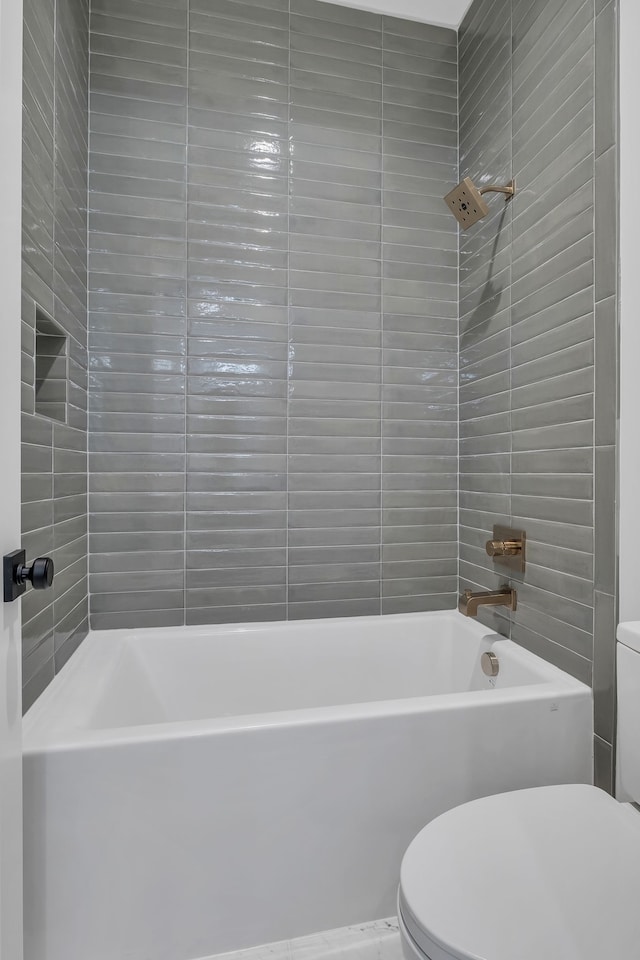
273 318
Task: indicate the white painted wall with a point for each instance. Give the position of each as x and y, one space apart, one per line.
445 13
629 314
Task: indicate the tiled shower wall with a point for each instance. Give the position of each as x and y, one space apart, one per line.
273 312
55 278
274 317
538 326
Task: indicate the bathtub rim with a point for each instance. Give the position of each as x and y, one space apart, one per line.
45 729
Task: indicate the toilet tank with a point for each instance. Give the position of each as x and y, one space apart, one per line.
628 742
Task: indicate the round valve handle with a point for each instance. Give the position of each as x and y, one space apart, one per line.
40 573
504 548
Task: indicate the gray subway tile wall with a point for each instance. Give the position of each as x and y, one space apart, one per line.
538 319
335 398
55 281
138 311
273 313
419 328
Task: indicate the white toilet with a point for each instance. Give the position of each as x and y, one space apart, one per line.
551 873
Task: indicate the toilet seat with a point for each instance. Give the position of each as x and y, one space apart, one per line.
551 872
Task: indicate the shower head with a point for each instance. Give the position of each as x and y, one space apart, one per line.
467 205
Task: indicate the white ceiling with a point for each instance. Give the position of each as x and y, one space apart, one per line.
447 13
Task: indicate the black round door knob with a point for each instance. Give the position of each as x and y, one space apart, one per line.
40 573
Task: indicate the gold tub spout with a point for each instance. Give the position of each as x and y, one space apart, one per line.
469 602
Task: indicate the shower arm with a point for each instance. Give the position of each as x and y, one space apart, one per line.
509 189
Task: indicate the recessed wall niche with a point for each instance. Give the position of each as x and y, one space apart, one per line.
51 368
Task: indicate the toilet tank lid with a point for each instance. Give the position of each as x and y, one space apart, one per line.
629 634
549 872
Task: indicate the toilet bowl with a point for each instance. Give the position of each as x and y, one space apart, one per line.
549 873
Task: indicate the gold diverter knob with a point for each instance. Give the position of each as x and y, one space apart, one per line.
508 547
504 548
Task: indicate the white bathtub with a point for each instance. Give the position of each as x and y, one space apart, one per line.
191 791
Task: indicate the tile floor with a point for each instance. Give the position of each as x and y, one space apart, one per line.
378 940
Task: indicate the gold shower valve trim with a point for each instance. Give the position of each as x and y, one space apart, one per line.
508 547
504 548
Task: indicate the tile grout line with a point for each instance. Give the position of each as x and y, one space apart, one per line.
382 342
289 336
88 315
459 333
510 615
53 307
594 492
187 324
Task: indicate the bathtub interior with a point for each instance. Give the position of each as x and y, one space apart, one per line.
146 677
